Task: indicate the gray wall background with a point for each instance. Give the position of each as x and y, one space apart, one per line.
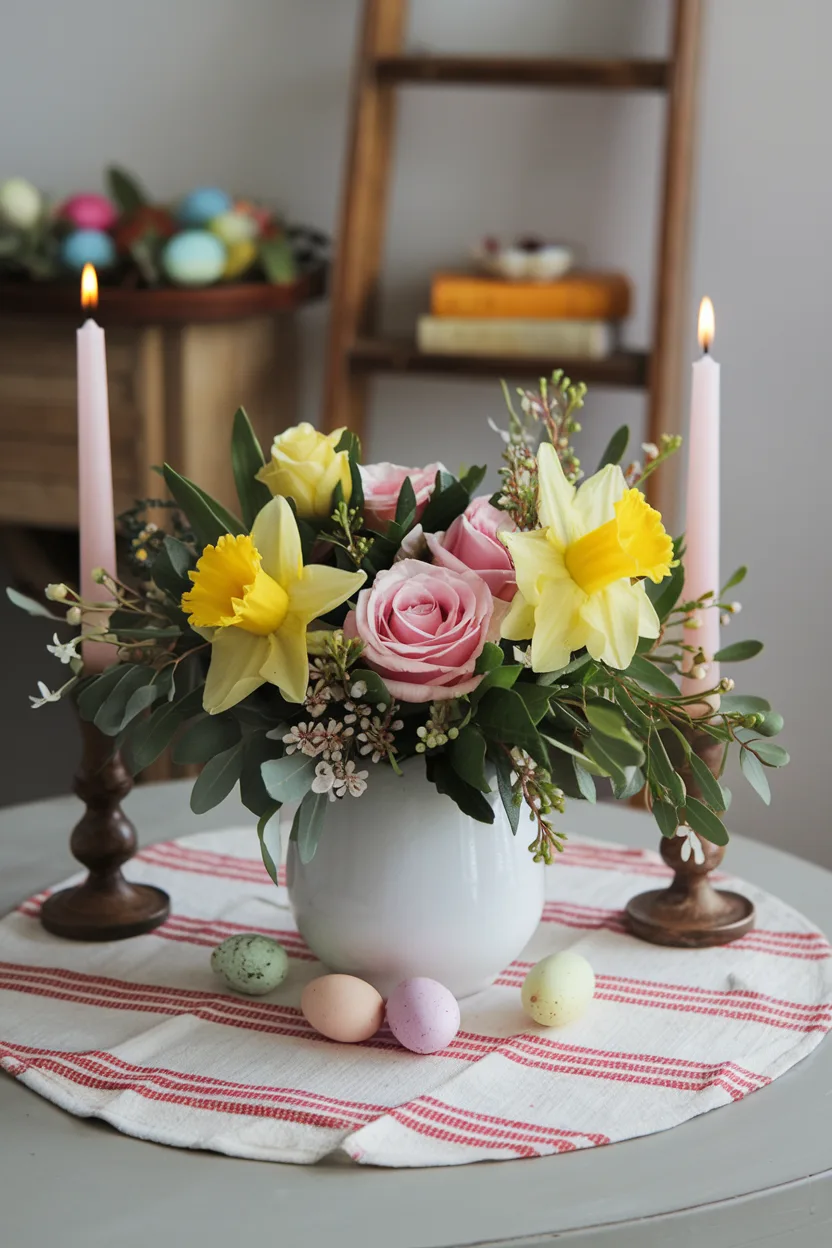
253 95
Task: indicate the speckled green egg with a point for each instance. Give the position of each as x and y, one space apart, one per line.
250 963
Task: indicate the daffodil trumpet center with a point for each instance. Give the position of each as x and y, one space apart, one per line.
633 544
230 589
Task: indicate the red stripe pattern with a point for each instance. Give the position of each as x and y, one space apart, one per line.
143 1032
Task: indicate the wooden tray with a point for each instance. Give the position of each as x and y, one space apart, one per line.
171 305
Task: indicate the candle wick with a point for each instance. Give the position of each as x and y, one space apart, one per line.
706 349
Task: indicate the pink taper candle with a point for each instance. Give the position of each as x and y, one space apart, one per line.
95 470
702 522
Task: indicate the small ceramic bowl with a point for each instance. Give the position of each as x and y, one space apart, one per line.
527 260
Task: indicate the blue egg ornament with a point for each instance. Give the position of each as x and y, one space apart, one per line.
202 205
194 258
88 247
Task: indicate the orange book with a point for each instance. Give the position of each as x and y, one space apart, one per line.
578 296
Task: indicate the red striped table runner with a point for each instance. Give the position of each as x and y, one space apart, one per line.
143 1035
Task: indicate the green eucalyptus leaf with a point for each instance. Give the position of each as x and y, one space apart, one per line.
572 669
584 780
115 712
171 566
708 786
771 724
32 606
125 190
755 774
269 847
289 778
616 447
743 704
246 461
738 651
665 815
153 735
308 824
595 749
97 689
738 576
633 713
406 505
449 500
770 753
206 737
277 259
473 478
661 772
651 678
633 784
704 822
467 755
606 718
217 779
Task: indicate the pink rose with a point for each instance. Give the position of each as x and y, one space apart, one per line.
423 629
382 483
472 542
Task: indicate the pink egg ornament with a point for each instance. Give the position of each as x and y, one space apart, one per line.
423 1015
89 211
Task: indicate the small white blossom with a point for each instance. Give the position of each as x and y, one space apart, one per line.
692 845
310 739
523 656
355 711
63 650
693 622
333 737
726 684
699 671
73 616
56 593
735 608
318 697
377 738
348 780
359 689
45 696
651 451
725 619
324 780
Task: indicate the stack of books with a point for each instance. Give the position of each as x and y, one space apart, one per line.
575 317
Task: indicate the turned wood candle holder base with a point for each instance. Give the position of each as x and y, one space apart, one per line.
691 913
105 906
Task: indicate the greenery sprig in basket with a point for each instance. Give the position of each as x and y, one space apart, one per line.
358 616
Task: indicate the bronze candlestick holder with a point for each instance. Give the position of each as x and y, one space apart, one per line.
105 906
690 912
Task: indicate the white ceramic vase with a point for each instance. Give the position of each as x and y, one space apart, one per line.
403 884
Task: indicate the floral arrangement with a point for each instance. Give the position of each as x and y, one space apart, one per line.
207 236
356 616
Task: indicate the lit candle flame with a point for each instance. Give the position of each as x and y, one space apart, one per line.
89 287
707 324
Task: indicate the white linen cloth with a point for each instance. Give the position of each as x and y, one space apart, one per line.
142 1034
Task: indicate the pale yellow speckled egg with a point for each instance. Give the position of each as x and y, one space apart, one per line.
342 1007
558 989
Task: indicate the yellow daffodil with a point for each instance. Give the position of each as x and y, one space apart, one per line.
576 575
305 466
253 599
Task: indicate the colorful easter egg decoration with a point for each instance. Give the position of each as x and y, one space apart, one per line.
21 203
558 989
234 227
250 963
194 258
241 256
148 221
88 247
342 1007
89 211
423 1015
201 205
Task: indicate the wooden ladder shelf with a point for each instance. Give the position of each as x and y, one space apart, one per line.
357 352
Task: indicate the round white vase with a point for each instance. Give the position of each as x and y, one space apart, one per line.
403 883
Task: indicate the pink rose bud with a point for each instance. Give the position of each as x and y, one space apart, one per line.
381 484
423 629
473 542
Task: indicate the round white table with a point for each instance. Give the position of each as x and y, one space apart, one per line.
758 1172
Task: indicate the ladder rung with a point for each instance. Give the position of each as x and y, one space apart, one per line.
519 71
625 369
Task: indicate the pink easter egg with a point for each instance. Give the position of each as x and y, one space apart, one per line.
423 1015
89 211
